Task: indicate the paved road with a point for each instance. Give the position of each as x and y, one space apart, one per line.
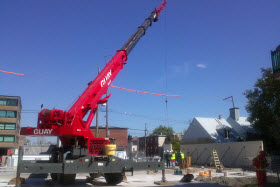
140 178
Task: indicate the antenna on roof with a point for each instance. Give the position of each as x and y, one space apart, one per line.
231 100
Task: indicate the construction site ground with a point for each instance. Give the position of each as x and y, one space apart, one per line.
235 177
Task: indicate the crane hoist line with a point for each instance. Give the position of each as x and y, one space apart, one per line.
80 151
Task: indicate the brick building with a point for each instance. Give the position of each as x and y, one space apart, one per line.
155 145
119 133
10 113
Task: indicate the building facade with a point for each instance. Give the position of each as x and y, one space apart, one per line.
132 147
118 133
10 114
154 145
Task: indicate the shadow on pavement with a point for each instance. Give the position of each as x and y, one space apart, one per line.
200 185
43 182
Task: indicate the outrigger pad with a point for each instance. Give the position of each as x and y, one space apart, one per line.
166 183
15 181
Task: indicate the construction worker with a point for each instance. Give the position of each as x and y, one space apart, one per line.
260 163
173 159
168 158
182 164
182 156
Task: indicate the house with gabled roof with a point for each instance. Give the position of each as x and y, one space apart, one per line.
240 124
218 130
209 130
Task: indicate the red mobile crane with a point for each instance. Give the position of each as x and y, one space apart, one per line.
80 150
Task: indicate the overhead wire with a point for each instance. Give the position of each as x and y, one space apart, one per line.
165 66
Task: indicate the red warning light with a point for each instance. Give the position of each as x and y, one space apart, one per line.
9 152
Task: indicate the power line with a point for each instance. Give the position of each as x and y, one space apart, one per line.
146 117
128 114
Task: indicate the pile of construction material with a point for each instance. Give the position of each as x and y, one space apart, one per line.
233 181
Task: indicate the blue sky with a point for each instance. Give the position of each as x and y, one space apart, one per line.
212 49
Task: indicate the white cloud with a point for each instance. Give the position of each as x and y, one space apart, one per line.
201 66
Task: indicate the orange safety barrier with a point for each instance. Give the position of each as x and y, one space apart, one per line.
210 173
205 174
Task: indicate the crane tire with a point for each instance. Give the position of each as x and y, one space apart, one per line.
67 179
113 178
54 176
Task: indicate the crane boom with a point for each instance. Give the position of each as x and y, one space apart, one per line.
70 125
129 45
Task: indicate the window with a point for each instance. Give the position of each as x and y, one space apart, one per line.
11 114
12 102
4 138
9 102
9 138
10 126
2 113
227 133
3 101
7 126
8 114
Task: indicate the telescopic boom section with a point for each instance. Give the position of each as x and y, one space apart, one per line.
70 124
92 95
129 45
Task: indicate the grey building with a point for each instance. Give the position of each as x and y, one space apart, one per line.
209 130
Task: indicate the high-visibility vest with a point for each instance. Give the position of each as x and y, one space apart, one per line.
173 157
182 156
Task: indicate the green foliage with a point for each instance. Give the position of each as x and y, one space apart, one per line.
163 130
264 110
175 144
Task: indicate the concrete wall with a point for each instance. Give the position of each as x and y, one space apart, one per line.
234 154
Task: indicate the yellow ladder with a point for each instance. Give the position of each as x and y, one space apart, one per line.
215 158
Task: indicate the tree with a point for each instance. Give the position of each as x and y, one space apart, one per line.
163 130
264 110
176 144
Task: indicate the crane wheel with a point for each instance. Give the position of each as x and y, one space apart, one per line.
113 178
54 176
67 179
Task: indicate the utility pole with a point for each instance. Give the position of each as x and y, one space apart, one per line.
107 120
97 112
145 139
